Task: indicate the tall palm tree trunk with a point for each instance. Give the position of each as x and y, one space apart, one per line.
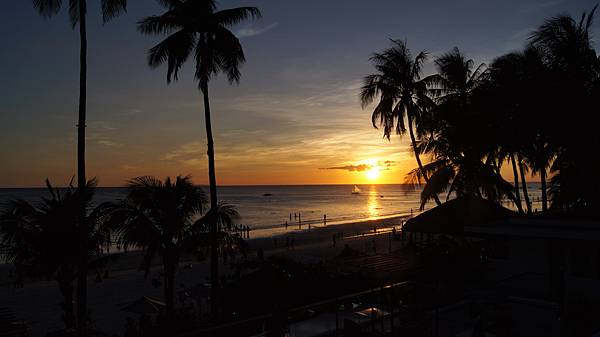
65 284
214 258
516 182
524 184
544 192
81 178
414 145
169 286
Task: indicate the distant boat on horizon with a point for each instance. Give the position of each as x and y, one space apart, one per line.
355 190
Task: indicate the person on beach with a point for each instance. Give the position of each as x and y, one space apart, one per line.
324 219
286 223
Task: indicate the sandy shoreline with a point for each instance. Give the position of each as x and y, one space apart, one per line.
38 303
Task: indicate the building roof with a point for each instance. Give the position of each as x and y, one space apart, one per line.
452 216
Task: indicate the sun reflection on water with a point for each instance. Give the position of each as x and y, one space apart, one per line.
373 206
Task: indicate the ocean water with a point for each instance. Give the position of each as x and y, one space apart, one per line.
267 208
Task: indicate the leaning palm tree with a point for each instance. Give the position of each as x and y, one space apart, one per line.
197 29
454 170
400 93
78 15
164 219
456 135
41 240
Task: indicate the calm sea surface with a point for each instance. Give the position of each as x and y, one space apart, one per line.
268 207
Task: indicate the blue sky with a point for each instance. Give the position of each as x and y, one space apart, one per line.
296 109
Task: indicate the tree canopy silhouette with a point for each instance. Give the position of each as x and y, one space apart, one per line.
196 29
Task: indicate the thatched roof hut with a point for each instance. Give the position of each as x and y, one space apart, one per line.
452 216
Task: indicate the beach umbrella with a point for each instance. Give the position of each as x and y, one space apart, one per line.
144 305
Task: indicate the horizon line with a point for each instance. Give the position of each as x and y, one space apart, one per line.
247 185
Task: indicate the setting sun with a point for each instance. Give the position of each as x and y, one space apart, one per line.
373 173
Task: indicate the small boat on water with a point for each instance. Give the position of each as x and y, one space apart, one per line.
355 190
267 195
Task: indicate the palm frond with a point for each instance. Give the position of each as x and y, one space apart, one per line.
174 50
438 183
75 11
47 8
112 9
228 54
156 25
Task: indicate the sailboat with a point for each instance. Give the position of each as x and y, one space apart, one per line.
356 190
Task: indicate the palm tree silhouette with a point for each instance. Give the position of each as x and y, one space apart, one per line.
400 92
42 240
197 29
162 219
78 15
520 86
456 135
574 68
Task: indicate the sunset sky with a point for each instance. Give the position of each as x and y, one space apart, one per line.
294 119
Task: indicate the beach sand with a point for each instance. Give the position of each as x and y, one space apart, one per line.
38 303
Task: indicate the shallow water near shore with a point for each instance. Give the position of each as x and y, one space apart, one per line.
266 208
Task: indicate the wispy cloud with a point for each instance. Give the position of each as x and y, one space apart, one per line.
254 31
386 165
381 165
185 150
133 111
518 39
108 143
350 168
103 133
